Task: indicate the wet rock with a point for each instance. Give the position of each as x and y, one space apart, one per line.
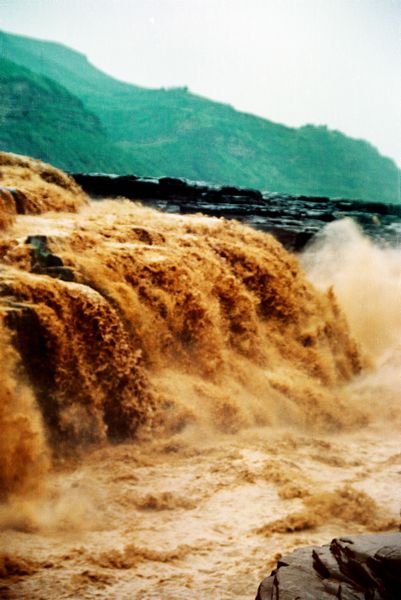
45 262
366 567
294 220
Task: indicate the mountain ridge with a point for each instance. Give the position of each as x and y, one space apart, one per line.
39 117
172 132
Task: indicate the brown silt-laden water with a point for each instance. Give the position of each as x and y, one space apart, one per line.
180 400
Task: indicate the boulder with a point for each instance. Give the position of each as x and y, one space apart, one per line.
45 262
365 567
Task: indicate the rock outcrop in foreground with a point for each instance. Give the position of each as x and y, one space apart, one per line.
365 567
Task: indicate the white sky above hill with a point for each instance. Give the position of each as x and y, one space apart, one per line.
332 62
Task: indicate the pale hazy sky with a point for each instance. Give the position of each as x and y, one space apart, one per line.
333 62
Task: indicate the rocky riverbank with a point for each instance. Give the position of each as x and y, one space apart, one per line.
294 220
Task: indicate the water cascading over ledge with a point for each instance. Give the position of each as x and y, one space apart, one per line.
125 321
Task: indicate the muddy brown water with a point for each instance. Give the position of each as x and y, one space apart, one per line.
259 405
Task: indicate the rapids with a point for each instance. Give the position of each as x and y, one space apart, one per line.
179 401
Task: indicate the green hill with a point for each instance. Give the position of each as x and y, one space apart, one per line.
40 118
173 132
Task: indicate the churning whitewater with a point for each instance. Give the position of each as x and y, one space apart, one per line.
179 401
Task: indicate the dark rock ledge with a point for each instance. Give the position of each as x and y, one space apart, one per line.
45 262
294 220
365 567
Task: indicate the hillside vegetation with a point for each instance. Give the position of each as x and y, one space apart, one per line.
41 118
173 132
